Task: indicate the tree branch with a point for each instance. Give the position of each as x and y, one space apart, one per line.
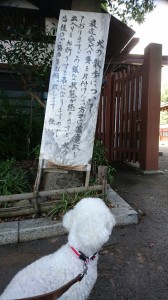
35 96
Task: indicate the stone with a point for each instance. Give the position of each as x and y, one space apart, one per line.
9 232
123 212
61 180
38 229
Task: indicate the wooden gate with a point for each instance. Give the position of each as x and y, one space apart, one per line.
119 119
128 119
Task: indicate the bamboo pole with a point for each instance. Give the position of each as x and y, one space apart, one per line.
24 211
32 195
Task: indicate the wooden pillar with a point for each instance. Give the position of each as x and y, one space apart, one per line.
150 107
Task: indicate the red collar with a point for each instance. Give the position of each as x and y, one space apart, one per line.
82 256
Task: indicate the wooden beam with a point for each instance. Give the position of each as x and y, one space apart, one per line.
135 59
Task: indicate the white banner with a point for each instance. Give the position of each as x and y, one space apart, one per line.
74 89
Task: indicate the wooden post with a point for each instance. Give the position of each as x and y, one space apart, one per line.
102 179
87 178
36 188
150 107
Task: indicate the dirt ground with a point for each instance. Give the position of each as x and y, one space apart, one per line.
133 265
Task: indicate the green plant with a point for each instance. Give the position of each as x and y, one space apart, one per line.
13 179
129 10
36 152
68 201
21 123
164 99
29 53
99 159
99 154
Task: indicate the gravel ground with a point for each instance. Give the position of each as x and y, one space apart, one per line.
133 264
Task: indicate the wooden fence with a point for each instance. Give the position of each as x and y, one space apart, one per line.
118 124
128 119
35 206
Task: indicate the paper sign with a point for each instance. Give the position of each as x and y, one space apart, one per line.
74 89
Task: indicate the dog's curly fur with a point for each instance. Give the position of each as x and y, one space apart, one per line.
89 224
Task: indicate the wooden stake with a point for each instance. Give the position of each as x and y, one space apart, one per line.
102 179
36 187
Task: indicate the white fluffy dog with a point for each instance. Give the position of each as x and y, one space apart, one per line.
89 224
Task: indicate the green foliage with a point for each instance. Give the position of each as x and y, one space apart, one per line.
163 117
29 56
68 201
99 153
36 152
164 99
21 128
99 158
13 180
164 95
128 10
29 53
28 49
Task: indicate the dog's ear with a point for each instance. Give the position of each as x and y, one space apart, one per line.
68 219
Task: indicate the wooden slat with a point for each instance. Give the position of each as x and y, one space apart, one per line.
112 117
108 116
126 95
117 102
130 116
120 114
